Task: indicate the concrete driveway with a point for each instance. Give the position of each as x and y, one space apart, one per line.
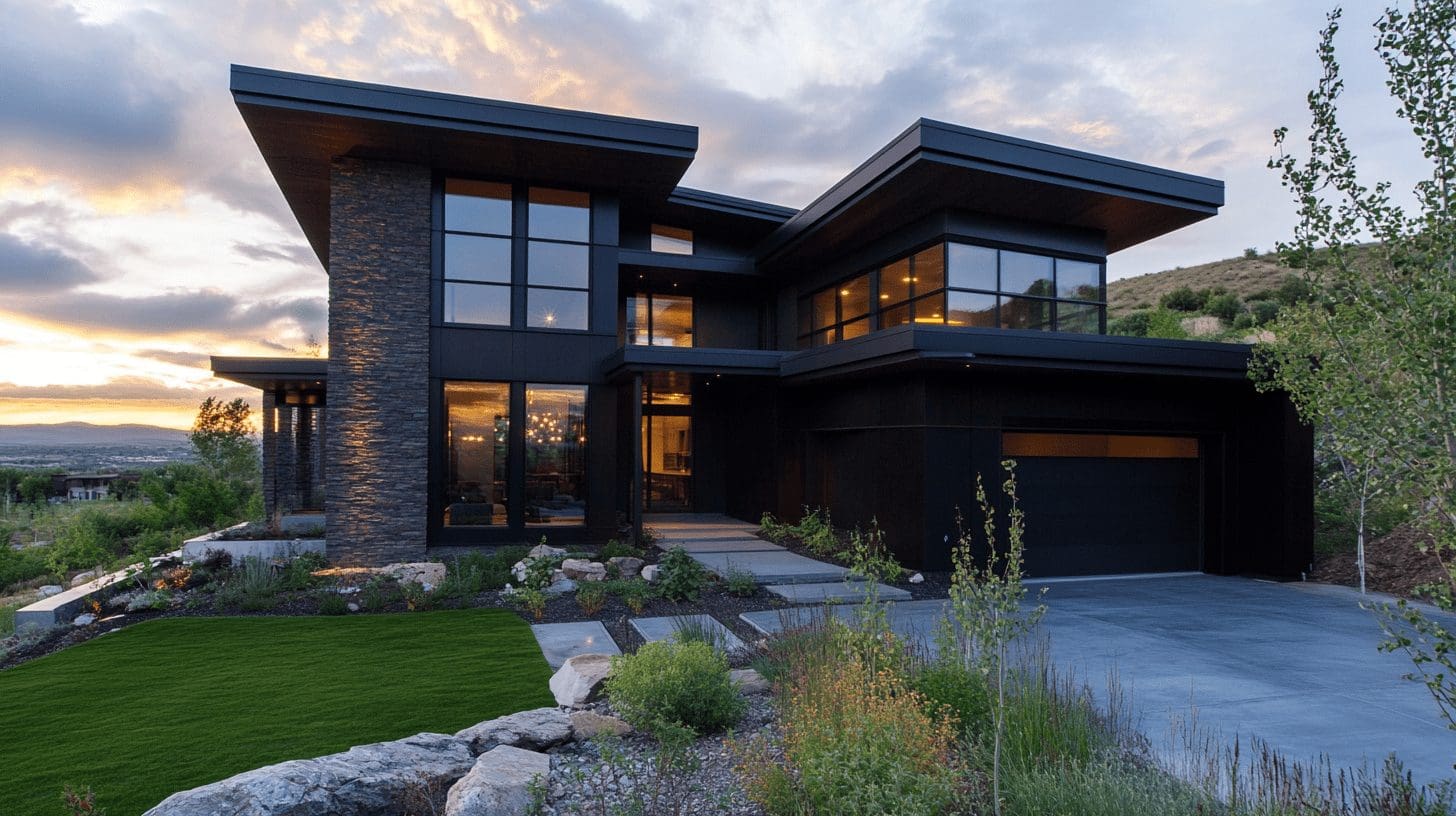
1293 664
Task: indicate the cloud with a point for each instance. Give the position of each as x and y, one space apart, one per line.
206 311
187 359
121 388
293 253
29 268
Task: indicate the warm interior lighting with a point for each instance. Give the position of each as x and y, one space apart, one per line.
550 318
1103 446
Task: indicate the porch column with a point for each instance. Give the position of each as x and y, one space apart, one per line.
320 440
270 454
637 460
303 452
286 492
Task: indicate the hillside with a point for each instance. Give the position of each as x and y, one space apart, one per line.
77 434
1240 276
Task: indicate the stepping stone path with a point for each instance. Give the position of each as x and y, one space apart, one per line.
654 629
914 621
560 641
835 592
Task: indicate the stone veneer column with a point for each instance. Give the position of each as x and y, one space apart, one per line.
379 362
285 474
270 455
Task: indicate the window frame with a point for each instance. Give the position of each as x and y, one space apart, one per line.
649 331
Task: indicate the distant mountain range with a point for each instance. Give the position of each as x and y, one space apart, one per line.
84 434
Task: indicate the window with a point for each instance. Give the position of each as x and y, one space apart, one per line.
1115 446
555 430
558 259
672 239
477 247
660 320
958 284
480 243
477 443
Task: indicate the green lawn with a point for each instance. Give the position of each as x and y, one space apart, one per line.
171 704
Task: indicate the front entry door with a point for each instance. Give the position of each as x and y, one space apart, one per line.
667 456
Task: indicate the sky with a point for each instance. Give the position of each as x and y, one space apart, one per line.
140 230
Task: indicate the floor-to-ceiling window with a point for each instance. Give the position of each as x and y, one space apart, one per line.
477 447
555 430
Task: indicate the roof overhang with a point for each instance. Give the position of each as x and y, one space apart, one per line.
301 123
934 166
301 374
914 347
629 360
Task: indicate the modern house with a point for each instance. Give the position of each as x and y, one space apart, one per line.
533 330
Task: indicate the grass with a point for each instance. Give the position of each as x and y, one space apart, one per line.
171 704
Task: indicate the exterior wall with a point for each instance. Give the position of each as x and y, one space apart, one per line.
377 417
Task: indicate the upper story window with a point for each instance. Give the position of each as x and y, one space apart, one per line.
481 249
959 284
672 239
660 320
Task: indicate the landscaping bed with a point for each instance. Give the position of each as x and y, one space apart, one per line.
1394 563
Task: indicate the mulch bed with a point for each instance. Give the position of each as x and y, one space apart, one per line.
1394 564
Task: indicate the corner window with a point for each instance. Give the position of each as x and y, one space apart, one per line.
660 320
555 430
672 240
958 284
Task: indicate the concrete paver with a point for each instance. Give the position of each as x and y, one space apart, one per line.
654 629
560 641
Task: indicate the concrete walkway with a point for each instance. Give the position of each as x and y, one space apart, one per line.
1293 664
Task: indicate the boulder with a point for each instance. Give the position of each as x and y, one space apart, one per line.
84 577
518 570
749 681
561 587
534 730
588 724
626 565
353 607
85 620
427 573
543 551
499 784
364 779
917 578
649 573
50 590
579 679
579 569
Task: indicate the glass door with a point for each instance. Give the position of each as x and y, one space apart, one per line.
667 456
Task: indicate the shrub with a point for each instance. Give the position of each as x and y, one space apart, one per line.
256 577
634 592
378 593
869 557
1263 311
947 685
680 577
816 531
1184 299
1251 253
332 603
1166 325
155 599
533 601
773 529
1100 789
700 629
618 549
740 583
464 575
539 572
298 573
669 683
1225 306
1134 324
862 743
416 597
18 566
591 596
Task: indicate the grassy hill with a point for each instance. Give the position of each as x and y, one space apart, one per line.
1241 276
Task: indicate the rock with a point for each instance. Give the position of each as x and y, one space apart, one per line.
364 779
582 570
558 575
588 724
534 730
121 600
578 679
626 565
543 551
429 573
353 607
50 590
649 573
499 784
89 575
85 620
917 578
561 587
749 681
508 590
518 570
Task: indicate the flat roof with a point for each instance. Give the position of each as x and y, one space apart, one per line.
934 166
302 122
731 205
274 373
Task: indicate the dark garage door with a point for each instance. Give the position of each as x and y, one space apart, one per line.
1099 503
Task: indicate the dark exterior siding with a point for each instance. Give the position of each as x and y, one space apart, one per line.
379 342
